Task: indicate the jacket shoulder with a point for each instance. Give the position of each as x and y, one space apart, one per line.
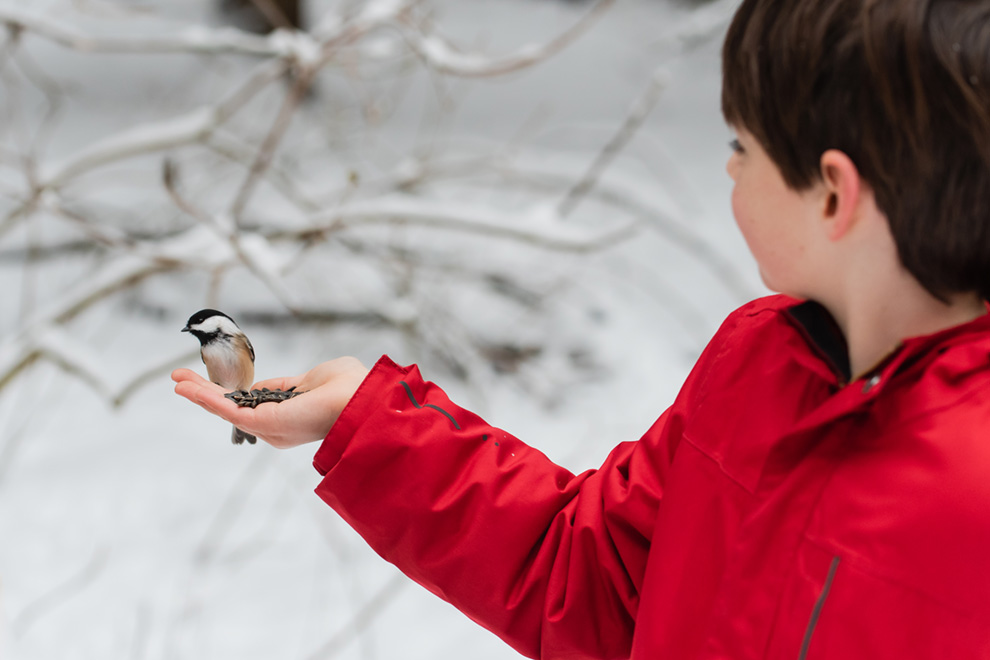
748 320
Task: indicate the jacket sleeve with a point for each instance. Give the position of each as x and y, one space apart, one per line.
550 561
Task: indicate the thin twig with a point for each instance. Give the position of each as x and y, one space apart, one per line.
225 228
211 542
150 374
296 94
229 513
362 619
280 179
637 115
61 593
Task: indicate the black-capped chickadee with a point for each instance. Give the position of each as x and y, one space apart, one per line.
227 354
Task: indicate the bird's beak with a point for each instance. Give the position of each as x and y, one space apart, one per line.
185 329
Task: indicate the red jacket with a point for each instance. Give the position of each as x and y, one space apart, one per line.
772 512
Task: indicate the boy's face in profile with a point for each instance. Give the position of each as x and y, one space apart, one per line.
775 220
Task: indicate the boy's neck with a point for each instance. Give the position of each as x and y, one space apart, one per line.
875 320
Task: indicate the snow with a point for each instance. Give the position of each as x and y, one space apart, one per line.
297 45
377 11
139 532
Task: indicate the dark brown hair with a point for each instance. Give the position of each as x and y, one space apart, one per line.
903 88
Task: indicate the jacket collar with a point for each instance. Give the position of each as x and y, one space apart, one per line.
823 334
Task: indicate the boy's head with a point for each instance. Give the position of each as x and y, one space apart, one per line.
900 86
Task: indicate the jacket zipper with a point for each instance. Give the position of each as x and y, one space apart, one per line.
817 610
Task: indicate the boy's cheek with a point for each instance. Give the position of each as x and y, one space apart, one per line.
738 209
743 218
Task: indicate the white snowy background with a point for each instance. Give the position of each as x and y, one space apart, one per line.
551 241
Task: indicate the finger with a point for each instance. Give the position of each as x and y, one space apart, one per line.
208 396
180 375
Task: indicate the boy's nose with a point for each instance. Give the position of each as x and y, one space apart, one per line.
732 165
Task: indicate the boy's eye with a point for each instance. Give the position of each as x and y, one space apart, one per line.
736 146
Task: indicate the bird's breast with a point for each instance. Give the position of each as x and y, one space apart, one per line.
225 367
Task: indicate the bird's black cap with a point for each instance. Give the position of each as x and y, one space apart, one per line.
201 316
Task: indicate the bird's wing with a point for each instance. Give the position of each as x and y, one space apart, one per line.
249 347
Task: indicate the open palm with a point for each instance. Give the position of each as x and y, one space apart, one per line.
306 418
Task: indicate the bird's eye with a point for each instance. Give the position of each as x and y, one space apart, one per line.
736 146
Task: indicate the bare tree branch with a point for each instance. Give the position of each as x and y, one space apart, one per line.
538 226
264 157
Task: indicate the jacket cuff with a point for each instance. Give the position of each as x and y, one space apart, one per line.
365 400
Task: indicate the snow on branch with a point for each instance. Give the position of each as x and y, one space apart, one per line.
191 127
539 225
194 39
442 56
58 346
251 249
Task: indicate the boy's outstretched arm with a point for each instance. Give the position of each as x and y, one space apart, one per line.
550 561
328 387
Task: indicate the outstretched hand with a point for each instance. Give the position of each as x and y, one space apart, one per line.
306 418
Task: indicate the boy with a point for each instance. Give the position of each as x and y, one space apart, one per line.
820 488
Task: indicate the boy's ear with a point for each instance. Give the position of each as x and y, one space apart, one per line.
842 186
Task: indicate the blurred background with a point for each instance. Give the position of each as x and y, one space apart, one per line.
525 197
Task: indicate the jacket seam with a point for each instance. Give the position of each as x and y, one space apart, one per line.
686 438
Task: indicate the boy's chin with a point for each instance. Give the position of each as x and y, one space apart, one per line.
775 287
769 283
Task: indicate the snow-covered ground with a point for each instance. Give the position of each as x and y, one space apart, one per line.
142 533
